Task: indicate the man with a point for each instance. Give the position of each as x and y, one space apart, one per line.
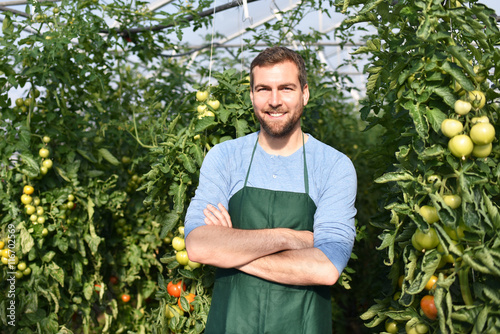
289 229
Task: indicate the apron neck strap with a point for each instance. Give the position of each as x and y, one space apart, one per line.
306 178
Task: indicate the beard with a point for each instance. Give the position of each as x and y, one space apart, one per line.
279 129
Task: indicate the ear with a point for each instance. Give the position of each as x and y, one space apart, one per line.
251 95
305 94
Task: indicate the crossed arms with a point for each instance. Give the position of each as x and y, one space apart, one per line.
280 255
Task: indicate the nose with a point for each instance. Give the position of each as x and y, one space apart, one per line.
275 99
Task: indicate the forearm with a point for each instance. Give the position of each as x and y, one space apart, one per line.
309 266
227 247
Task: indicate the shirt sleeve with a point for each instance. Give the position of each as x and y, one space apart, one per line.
334 229
212 188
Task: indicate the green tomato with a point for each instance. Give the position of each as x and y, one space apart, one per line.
178 244
482 151
452 200
425 240
193 265
391 326
455 234
461 146
462 107
47 163
477 99
26 199
201 95
429 213
43 152
182 257
482 133
30 209
451 127
215 104
21 266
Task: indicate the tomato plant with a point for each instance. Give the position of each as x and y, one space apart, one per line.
112 148
426 50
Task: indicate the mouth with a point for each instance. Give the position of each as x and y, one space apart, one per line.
275 114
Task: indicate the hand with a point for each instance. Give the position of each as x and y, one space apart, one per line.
217 216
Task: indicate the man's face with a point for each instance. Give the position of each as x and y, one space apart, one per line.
277 98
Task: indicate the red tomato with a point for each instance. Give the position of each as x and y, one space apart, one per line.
176 289
125 298
429 307
113 280
190 298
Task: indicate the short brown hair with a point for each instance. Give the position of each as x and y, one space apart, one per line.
279 54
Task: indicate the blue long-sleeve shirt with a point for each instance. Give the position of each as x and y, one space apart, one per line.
332 187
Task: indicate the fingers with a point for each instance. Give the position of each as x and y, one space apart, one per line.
217 216
226 215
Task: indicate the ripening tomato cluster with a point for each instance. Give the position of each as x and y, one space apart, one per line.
23 105
8 258
207 105
177 290
476 136
133 183
33 207
427 240
181 255
44 153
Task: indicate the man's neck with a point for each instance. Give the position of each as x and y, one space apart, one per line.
283 146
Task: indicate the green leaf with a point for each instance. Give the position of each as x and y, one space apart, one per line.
241 127
458 74
224 114
395 176
62 174
167 222
25 238
435 117
430 263
47 257
187 162
87 155
373 311
204 123
56 272
29 167
446 94
417 113
88 290
104 153
198 154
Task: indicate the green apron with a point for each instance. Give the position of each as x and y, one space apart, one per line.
246 304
